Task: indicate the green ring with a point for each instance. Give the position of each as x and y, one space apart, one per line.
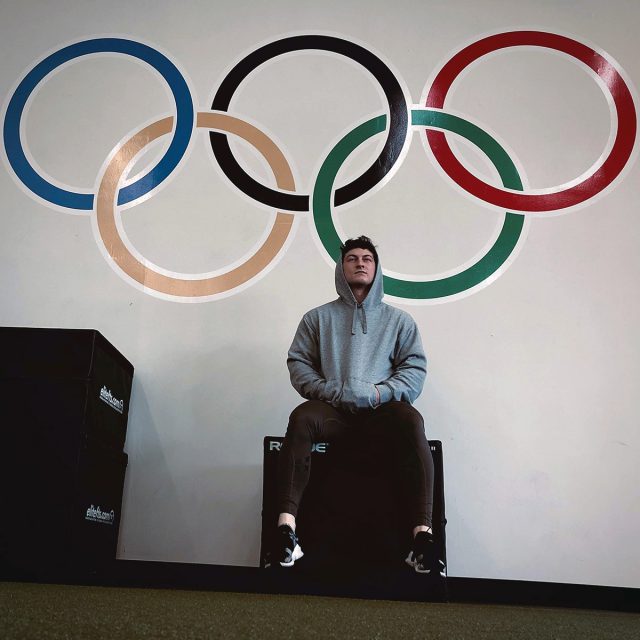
427 289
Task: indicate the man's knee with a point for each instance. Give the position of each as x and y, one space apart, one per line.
406 420
306 412
303 418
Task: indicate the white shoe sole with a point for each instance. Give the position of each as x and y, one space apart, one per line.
416 566
296 555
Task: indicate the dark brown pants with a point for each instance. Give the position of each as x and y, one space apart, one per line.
401 426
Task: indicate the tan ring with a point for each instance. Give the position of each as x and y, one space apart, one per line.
184 287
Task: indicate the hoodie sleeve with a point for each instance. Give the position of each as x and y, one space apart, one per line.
303 361
410 367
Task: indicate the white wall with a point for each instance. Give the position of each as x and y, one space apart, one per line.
532 382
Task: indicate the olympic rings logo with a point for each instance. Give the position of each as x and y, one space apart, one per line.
399 122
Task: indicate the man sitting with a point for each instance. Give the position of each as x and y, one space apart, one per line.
360 364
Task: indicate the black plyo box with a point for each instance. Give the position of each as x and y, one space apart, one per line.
353 513
63 386
60 517
64 404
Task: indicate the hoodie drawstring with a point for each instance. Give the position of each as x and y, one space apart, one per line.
355 319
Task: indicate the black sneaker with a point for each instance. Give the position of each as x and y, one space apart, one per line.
424 558
286 549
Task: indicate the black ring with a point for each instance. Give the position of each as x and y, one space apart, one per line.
398 111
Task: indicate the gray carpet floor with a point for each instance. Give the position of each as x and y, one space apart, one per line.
66 611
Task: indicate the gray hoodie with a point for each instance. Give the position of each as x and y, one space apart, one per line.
343 350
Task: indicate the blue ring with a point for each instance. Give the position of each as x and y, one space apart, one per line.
71 199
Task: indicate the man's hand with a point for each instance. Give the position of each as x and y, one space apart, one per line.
358 394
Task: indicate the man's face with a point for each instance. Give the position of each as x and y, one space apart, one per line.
359 267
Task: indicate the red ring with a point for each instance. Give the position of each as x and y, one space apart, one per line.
593 184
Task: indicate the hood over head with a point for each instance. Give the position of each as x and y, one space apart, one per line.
374 297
